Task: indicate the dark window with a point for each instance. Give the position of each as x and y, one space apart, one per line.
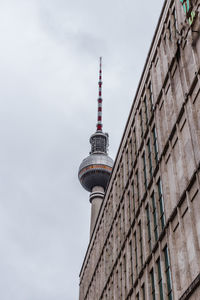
151 95
155 143
119 185
131 151
143 292
120 229
121 279
153 293
149 158
161 203
117 279
169 31
122 175
124 265
137 185
136 257
175 19
146 110
160 283
133 198
141 123
148 226
134 142
123 222
141 245
168 274
155 220
144 170
132 266
129 207
127 163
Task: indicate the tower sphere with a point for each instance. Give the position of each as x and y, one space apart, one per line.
95 171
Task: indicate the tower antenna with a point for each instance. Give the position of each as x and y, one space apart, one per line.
100 100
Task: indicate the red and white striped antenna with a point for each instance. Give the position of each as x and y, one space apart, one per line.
100 100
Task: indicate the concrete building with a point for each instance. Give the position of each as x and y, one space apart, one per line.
145 243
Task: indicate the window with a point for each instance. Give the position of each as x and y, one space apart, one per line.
119 185
137 185
149 158
143 292
186 7
146 110
121 279
124 267
151 95
169 31
155 143
141 123
117 280
129 208
153 293
134 142
120 229
117 235
168 274
141 246
122 175
123 222
148 227
155 221
116 190
136 258
160 283
164 39
131 151
133 199
161 203
144 170
98 143
175 19
127 164
132 266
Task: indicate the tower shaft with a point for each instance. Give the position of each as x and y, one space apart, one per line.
96 198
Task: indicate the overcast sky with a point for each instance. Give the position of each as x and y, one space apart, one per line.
49 55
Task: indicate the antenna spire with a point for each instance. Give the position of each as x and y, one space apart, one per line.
99 113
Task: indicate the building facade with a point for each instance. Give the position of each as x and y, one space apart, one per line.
146 241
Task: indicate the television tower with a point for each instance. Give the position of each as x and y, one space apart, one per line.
94 171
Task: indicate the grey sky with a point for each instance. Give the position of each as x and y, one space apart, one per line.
48 90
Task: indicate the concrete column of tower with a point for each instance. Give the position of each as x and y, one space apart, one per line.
96 198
